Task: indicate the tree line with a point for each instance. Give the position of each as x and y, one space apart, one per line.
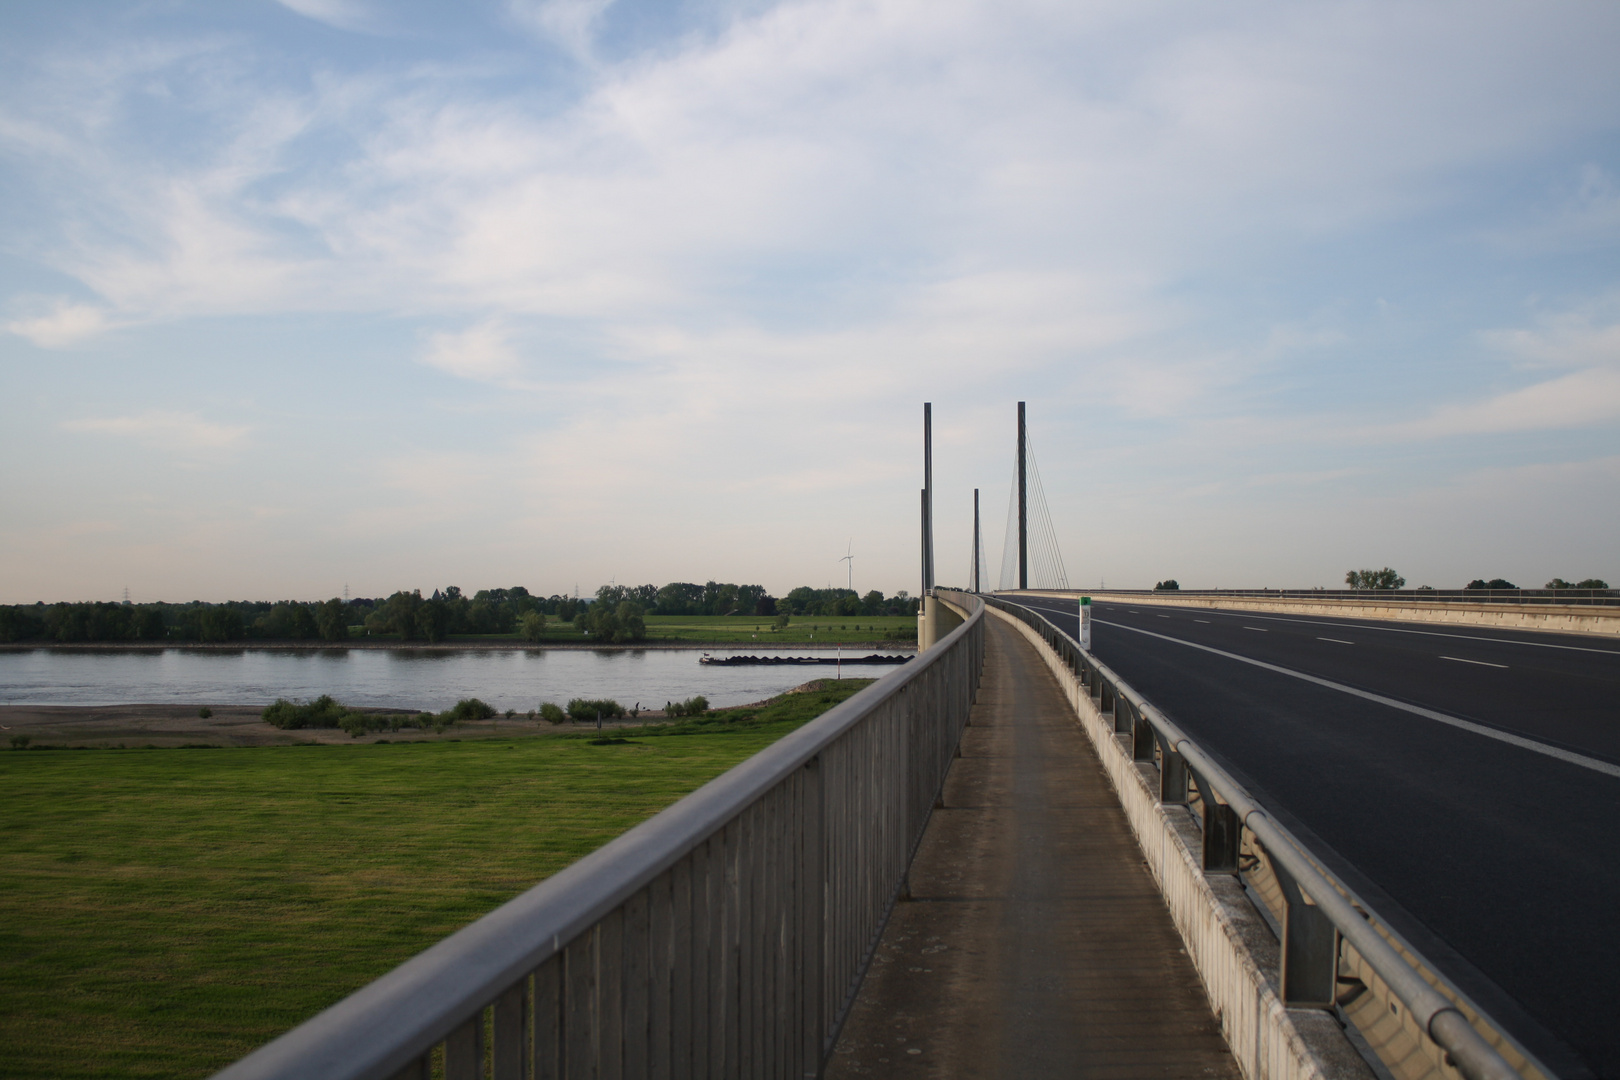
1388 579
615 614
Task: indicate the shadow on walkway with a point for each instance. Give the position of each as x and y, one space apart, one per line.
1035 944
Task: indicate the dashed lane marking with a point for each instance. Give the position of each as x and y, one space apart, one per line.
1339 640
1481 663
1568 756
1347 623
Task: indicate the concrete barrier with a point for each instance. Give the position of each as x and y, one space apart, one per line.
1234 951
1549 618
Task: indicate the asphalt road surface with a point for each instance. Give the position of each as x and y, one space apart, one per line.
1465 782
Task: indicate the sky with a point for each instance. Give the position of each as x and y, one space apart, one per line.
323 294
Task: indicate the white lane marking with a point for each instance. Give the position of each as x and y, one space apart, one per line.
1417 710
1204 621
1262 629
1164 616
1339 640
1481 663
1422 633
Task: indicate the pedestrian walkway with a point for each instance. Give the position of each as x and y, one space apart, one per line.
1035 943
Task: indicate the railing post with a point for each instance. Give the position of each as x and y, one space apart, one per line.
813 860
1172 774
1142 736
464 1050
512 1048
1223 832
1310 947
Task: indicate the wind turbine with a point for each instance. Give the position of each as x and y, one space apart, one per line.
849 557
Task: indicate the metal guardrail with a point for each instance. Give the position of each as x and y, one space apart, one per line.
725 936
1318 913
1577 597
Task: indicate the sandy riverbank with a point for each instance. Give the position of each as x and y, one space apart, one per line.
240 725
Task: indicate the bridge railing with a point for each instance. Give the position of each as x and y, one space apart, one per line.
1570 596
1324 929
725 936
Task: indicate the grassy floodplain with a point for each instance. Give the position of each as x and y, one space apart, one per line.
802 630
162 912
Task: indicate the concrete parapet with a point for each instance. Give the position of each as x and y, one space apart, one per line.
937 619
1602 621
1230 945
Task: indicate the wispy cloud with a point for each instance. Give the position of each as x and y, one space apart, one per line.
483 352
833 133
1580 213
1583 344
569 23
1580 399
343 14
165 430
65 323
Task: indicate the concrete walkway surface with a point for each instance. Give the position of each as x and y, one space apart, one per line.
1035 943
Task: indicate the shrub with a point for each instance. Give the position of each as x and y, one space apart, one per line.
583 709
692 706
357 724
323 712
469 709
1167 585
552 713
20 742
205 712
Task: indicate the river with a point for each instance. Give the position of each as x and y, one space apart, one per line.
396 678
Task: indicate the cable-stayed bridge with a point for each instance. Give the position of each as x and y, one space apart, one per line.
1101 834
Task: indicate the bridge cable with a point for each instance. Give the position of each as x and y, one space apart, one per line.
1046 569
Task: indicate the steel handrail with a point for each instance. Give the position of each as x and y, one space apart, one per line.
391 1022
1437 1014
1569 597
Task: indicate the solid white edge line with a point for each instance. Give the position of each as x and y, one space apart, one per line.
1520 741
1481 663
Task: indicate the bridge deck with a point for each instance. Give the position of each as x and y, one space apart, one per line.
1035 943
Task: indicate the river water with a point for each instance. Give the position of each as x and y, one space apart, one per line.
396 678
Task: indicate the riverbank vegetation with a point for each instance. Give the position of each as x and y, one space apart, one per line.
162 912
617 614
324 712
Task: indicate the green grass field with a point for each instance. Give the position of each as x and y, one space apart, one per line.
162 912
804 629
